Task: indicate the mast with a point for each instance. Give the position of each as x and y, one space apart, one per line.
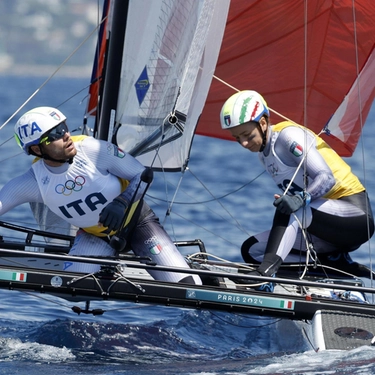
113 68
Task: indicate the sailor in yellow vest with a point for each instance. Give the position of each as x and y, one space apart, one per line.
90 184
324 196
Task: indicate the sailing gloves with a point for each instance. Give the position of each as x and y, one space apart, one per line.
112 215
287 204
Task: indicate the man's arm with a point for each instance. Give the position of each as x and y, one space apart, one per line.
22 189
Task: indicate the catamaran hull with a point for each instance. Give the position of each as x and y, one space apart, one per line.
325 323
341 330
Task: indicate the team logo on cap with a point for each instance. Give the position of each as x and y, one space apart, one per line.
227 120
55 116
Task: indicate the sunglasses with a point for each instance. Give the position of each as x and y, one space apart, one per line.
54 134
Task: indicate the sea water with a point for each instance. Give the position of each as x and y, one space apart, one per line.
224 198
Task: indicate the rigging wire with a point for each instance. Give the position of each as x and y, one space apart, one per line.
309 245
244 266
239 226
238 90
51 76
208 200
196 224
361 124
58 106
195 202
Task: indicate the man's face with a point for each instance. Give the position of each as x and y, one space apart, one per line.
57 144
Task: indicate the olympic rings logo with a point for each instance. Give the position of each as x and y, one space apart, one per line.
70 186
151 240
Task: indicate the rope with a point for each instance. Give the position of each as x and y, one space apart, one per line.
238 90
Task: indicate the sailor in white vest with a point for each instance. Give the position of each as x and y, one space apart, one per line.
91 184
323 195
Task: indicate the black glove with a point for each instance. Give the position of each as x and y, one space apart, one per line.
112 215
287 204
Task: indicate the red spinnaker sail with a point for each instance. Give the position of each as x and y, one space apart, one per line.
302 56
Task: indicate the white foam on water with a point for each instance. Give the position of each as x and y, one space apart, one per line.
15 349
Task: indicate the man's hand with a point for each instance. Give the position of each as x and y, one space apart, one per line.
287 204
112 215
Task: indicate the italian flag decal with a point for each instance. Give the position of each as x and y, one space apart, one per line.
17 276
296 149
155 250
286 304
13 275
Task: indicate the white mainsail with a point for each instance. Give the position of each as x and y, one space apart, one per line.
170 52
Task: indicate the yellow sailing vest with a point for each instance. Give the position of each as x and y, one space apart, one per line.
346 182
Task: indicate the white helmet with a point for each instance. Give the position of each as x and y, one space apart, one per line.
31 127
244 106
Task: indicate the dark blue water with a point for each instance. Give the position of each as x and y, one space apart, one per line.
41 334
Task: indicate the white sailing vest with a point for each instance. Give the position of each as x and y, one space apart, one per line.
280 172
346 182
79 194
